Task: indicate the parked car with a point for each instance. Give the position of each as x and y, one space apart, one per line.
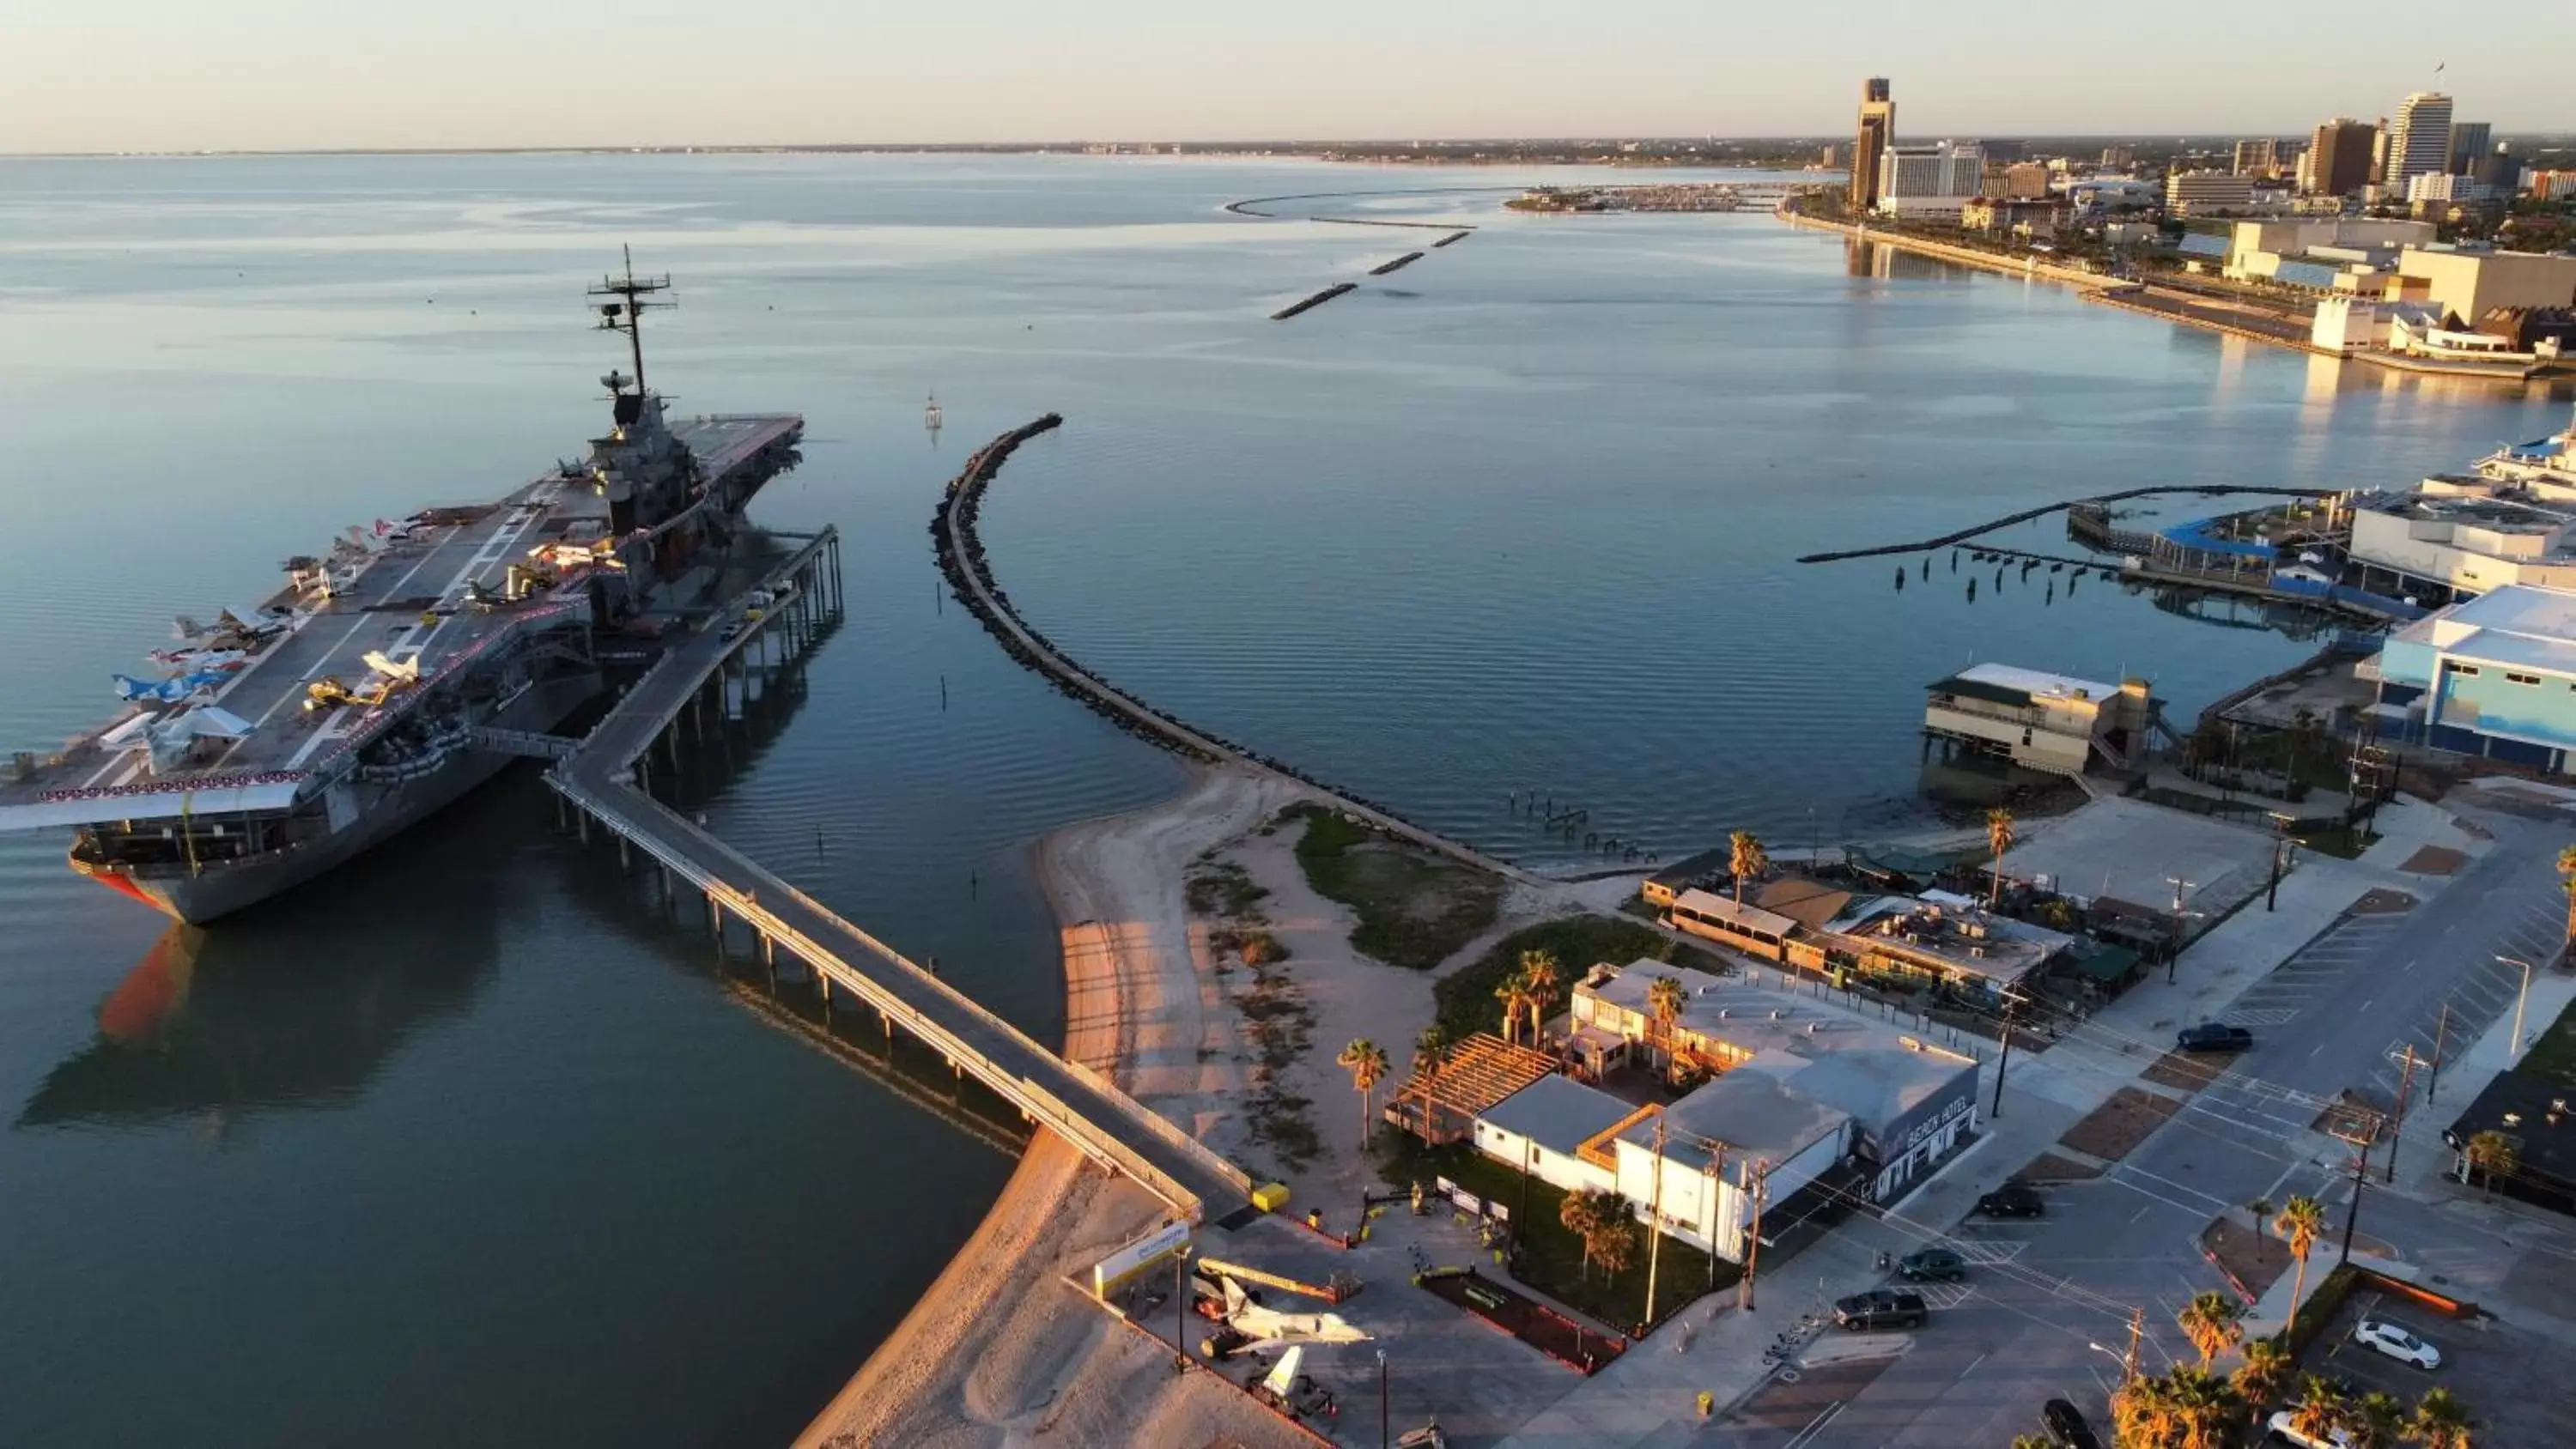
1881 1308
2012 1200
2213 1036
2278 1430
2397 1343
2067 1427
1930 1265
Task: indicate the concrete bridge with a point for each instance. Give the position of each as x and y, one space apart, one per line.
604 782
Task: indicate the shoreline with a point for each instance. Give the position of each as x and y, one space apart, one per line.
998 1349
2126 296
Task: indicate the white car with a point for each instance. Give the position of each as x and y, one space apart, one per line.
2397 1343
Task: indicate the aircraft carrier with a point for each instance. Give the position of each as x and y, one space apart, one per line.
407 663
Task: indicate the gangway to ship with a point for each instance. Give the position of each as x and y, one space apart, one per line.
604 781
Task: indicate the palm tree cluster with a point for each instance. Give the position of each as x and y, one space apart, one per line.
1999 838
1747 859
1601 1219
1530 991
2197 1407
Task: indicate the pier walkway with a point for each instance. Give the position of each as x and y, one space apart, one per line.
603 780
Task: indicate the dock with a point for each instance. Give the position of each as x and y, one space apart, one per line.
604 781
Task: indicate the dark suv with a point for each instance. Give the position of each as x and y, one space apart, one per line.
2012 1200
1880 1308
2066 1425
1930 1265
2213 1036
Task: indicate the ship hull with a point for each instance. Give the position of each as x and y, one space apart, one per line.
209 895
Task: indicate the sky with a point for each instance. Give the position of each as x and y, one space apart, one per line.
111 75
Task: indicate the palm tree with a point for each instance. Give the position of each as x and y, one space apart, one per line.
1513 994
2264 1374
1664 995
1581 1213
1366 1061
1540 973
2301 1223
2381 1418
2205 1409
1614 1244
2567 873
1999 838
1430 1054
1749 860
2321 1408
2142 1412
2439 1422
2213 1322
2491 1152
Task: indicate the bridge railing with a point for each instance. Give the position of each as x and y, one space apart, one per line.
657 824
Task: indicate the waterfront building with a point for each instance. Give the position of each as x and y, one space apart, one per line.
2324 254
2418 141
2493 677
2207 193
1912 942
1877 133
2053 723
2459 535
1936 179
2471 142
2471 284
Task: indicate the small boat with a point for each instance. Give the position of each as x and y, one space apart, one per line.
932 416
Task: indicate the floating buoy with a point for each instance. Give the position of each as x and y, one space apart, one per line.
1900 581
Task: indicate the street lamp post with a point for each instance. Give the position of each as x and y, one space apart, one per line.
2519 997
1181 1310
1382 1440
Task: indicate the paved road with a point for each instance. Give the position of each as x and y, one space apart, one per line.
2326 1020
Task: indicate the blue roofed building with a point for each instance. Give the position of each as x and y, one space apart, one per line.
2493 676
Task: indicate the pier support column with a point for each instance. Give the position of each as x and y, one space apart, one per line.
625 855
823 988
768 951
581 823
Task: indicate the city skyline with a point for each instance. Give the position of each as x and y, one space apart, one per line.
293 75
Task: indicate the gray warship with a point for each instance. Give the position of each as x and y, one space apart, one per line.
406 664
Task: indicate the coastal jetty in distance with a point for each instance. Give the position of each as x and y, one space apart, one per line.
1397 265
1318 299
1685 196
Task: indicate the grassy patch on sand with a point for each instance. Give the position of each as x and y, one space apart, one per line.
1466 996
1414 909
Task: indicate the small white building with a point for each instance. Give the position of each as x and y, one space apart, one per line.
1744 1133
1542 1128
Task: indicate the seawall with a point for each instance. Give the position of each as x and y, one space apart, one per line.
961 558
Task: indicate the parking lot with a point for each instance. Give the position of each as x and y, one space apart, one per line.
2499 1372
2131 851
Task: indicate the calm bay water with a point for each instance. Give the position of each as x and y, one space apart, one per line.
465 1143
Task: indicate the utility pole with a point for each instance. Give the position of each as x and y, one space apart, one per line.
1655 1223
2012 999
2397 1130
1759 1171
1181 1310
1382 1440
2272 892
2441 1029
2137 1334
2365 1135
1529 1154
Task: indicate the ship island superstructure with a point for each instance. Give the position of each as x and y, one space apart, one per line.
407 663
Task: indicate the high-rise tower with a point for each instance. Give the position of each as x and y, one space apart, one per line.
2419 140
1877 133
2339 157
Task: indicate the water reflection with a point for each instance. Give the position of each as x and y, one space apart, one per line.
284 1011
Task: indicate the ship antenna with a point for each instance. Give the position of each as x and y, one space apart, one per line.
626 313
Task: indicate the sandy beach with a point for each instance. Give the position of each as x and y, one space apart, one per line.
1000 1351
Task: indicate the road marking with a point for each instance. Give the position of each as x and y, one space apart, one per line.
1815 1426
